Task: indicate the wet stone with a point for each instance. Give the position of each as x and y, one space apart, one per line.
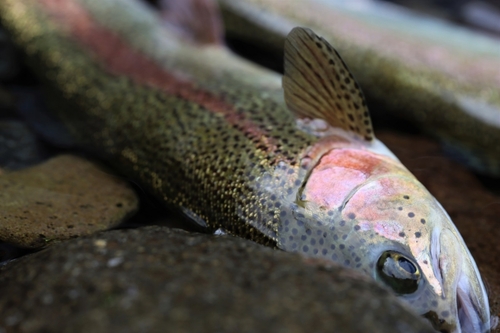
19 146
62 198
153 278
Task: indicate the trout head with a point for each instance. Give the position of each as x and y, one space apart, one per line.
366 211
358 205
413 247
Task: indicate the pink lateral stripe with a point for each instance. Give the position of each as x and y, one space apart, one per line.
119 58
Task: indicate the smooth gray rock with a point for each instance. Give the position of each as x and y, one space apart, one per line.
156 279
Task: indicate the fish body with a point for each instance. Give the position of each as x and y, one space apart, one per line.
212 135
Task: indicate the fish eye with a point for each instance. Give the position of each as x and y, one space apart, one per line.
398 272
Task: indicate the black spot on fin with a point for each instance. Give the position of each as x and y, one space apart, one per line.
318 84
197 20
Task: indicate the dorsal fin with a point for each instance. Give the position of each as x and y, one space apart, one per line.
198 20
318 84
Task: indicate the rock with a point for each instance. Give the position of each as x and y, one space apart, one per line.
158 279
19 146
62 198
473 208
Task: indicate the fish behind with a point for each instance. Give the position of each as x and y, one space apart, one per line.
442 79
209 134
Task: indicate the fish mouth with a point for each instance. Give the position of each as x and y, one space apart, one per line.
467 318
440 324
464 302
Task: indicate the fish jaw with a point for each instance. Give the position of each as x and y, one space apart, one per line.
356 204
472 308
462 305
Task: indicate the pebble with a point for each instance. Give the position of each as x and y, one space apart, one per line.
65 197
159 279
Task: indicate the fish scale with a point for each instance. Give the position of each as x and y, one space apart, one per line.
211 135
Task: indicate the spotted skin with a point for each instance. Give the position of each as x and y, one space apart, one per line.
208 134
225 165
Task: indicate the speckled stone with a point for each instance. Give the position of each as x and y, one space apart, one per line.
62 198
19 146
473 208
156 279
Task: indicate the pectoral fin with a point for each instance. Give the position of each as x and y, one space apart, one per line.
318 84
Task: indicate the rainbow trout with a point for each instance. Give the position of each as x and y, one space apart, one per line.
208 133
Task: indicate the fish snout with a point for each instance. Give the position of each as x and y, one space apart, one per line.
463 307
